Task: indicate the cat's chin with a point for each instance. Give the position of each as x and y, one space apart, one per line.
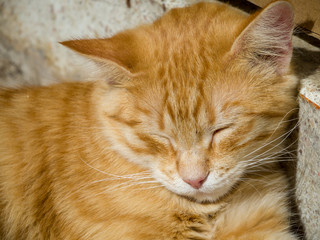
206 194
213 192
201 196
211 197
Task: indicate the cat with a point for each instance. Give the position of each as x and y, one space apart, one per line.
180 139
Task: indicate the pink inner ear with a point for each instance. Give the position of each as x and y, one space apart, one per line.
267 39
281 9
280 18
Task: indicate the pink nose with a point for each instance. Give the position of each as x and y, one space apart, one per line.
196 183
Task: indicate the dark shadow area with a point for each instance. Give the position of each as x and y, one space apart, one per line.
290 168
242 4
305 62
309 24
304 34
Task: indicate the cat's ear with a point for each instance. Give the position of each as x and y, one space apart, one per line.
267 40
118 52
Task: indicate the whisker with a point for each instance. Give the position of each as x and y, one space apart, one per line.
146 188
265 163
286 134
277 155
125 185
246 182
110 174
269 160
270 149
281 121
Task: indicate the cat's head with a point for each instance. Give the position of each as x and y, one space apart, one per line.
198 96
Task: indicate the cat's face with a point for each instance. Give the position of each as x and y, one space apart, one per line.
202 99
199 138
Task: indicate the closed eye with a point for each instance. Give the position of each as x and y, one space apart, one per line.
217 133
168 140
219 130
161 136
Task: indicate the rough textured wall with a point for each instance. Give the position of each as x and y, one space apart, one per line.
30 54
308 169
31 29
308 165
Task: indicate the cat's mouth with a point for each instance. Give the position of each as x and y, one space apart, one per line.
213 189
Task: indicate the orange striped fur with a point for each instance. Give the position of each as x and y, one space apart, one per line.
179 139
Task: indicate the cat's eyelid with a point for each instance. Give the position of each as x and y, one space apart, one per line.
161 136
158 134
169 139
221 128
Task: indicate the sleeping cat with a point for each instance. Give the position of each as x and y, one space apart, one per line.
180 139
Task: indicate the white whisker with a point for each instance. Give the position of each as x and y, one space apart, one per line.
114 175
270 149
284 136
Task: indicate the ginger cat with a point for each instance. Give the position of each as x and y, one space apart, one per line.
181 138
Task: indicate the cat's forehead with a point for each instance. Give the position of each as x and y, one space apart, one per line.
184 109
198 26
187 44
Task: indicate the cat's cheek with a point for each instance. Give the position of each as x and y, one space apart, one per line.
220 184
143 160
124 141
172 182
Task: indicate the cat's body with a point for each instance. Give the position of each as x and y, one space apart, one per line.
174 144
